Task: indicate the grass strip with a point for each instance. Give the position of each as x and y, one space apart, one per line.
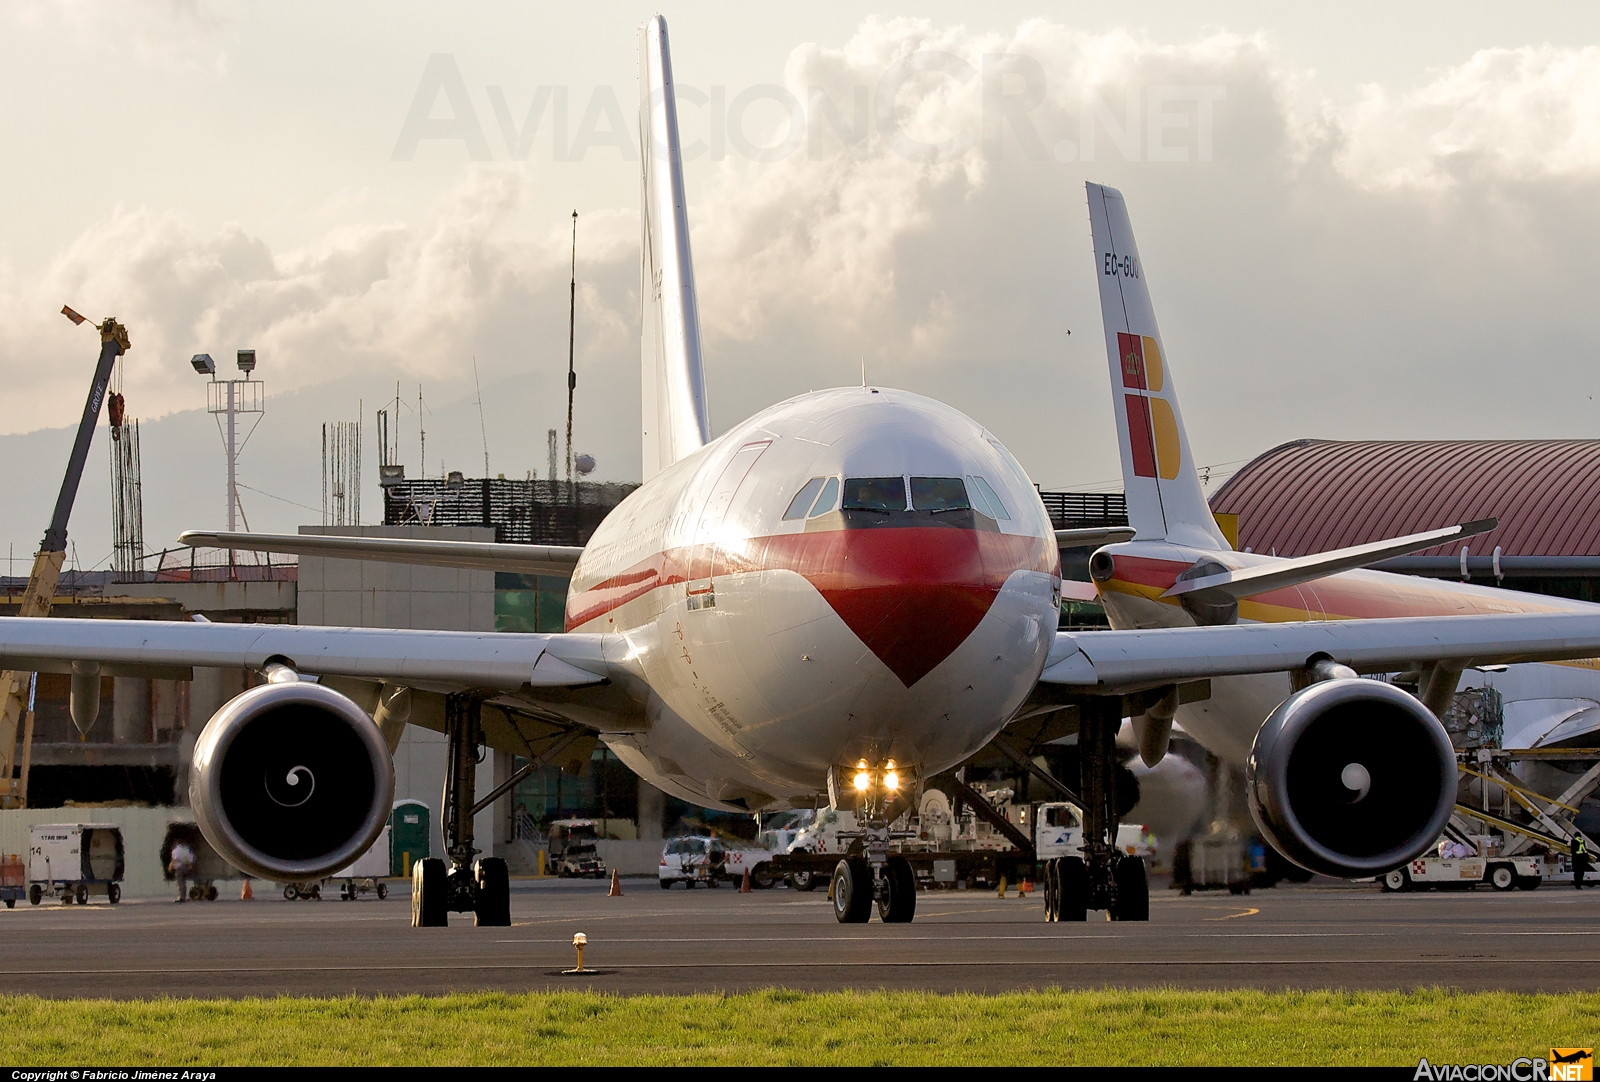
781 1027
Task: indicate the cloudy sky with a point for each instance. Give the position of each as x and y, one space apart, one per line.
1370 220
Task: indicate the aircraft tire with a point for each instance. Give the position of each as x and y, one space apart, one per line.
899 902
1073 890
852 891
493 906
1133 890
428 899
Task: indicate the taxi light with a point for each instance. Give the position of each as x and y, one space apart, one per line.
891 781
863 781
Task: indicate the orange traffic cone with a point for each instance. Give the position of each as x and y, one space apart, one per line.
744 886
616 884
1025 889
245 893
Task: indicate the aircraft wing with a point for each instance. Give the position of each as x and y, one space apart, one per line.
480 555
1099 662
497 661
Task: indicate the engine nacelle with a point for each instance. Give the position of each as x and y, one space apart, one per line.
1351 778
291 781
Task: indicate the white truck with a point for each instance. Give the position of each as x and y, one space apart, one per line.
71 860
1058 832
1501 873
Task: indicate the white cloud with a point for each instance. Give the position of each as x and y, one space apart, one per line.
1387 262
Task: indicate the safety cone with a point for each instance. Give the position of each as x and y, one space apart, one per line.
245 893
744 885
1025 889
616 884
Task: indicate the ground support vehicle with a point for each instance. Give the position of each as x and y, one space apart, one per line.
573 853
208 865
1219 860
365 875
13 880
693 861
72 860
1523 872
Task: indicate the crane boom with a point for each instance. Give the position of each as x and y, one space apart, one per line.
46 572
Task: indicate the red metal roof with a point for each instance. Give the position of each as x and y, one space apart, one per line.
1314 495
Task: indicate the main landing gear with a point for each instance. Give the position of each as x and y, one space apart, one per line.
463 885
1102 878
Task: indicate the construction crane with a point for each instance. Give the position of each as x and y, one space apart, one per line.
41 591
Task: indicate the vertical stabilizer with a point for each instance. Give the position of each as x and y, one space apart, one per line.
676 421
1158 474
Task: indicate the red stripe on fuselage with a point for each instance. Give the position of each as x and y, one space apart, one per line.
912 594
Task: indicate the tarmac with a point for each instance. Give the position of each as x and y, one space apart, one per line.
682 941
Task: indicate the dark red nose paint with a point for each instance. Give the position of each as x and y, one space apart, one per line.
912 594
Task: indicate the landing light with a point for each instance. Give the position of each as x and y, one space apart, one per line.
891 781
863 781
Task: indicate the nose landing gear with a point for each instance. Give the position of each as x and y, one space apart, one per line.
878 876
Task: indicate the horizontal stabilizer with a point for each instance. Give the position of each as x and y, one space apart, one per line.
1250 581
1093 537
471 555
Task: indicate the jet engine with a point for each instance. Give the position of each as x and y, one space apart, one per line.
291 781
1351 777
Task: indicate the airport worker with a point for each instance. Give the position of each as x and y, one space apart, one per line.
181 864
1580 860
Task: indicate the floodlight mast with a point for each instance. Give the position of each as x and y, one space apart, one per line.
226 399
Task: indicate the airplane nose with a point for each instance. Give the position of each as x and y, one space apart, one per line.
914 595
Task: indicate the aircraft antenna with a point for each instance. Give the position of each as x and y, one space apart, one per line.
483 426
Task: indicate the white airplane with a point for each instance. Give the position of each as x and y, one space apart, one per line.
849 593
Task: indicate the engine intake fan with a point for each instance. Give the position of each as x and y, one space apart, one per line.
291 781
1351 778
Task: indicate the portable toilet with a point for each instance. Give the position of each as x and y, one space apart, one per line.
408 836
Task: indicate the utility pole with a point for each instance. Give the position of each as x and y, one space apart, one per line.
226 399
572 330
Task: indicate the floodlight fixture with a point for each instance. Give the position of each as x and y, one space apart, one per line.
247 361
203 364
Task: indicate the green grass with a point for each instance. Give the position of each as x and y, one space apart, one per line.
1162 1026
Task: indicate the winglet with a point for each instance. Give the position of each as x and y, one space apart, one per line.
676 420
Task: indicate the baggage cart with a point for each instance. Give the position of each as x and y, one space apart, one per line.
71 861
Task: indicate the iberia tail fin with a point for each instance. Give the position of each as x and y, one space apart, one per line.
676 420
1164 496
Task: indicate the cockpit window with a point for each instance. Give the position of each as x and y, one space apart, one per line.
803 499
939 494
875 494
829 497
990 497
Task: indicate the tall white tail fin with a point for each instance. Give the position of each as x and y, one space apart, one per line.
676 421
1158 474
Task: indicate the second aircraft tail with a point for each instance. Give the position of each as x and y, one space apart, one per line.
1165 500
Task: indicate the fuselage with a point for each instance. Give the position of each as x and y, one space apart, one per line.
853 573
1141 571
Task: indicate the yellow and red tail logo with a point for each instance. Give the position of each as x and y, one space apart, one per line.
1152 426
